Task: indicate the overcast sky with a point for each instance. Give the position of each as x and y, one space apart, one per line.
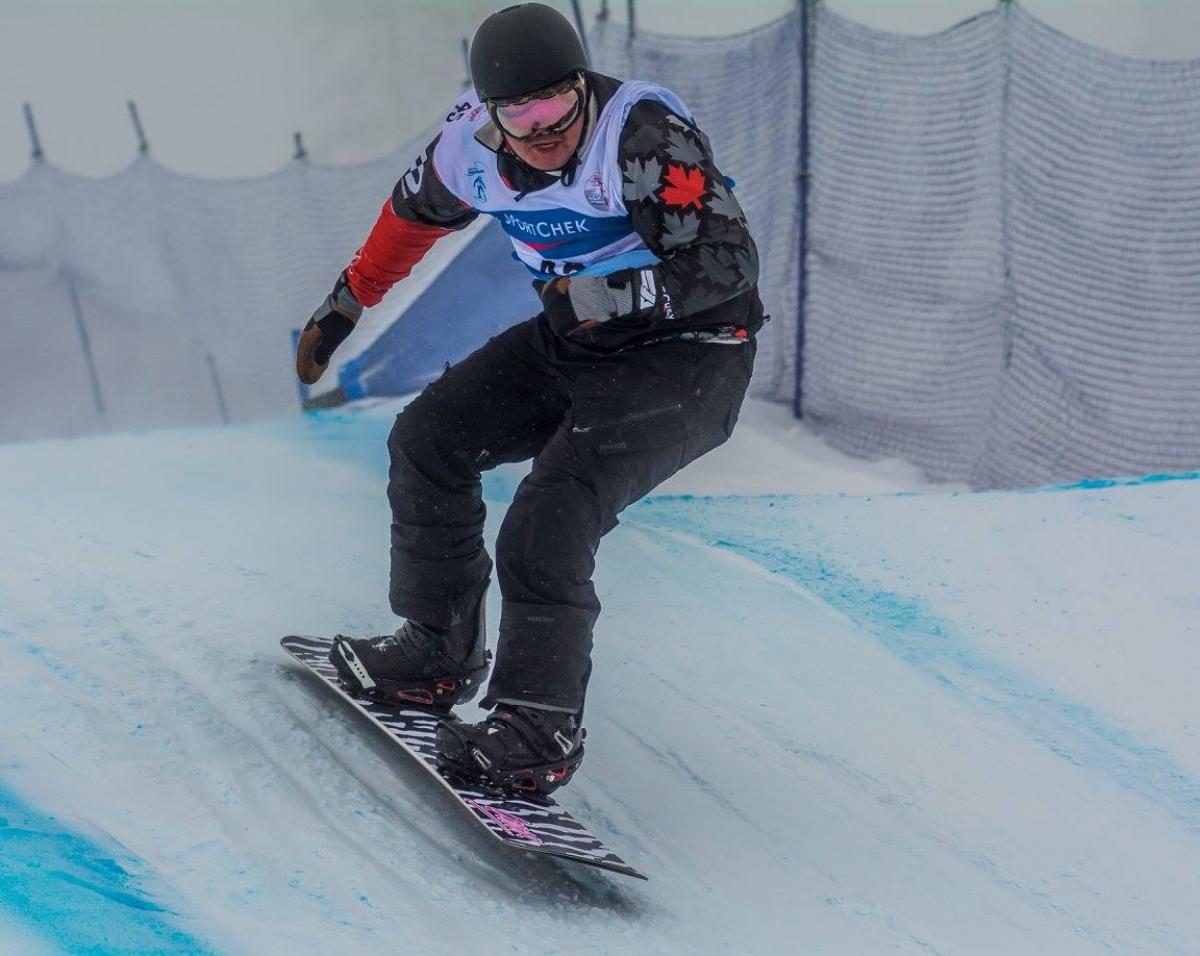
222 84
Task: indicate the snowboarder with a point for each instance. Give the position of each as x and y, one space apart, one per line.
636 364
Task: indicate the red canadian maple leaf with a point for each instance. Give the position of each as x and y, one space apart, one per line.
683 186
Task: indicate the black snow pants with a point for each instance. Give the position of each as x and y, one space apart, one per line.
602 430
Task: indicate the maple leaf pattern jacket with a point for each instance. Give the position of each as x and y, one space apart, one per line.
685 211
678 201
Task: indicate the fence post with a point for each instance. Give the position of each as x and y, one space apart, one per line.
85 343
466 55
143 146
301 153
579 26
35 152
632 20
1008 300
602 16
217 390
802 204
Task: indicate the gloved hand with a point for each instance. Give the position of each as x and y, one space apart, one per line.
326 330
580 303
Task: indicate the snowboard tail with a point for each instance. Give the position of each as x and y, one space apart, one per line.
539 826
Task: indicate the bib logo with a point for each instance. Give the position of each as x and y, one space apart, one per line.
563 235
595 193
478 184
545 230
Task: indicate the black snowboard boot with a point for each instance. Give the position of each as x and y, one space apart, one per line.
418 664
522 750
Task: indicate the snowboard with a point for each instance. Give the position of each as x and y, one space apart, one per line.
539 826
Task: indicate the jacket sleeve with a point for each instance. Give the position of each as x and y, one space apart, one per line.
684 211
420 212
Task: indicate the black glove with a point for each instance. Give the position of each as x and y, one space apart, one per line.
326 330
578 304
556 303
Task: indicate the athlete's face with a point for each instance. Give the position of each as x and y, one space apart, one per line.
548 151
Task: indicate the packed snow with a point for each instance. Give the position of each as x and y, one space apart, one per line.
835 709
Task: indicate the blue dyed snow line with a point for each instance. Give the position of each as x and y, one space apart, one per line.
907 628
76 895
1091 484
1088 484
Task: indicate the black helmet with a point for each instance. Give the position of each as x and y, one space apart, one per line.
522 49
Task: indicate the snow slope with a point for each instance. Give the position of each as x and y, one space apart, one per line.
878 722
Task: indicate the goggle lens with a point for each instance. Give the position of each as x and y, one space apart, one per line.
550 114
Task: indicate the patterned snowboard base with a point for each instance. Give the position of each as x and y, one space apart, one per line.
541 828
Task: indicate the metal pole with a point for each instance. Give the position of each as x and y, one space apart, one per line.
579 26
1008 308
143 146
466 55
632 20
802 204
36 153
301 153
85 342
216 383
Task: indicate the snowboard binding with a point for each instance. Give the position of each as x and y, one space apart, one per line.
530 783
446 688
420 665
472 754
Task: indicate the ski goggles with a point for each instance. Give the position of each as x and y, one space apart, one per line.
545 113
